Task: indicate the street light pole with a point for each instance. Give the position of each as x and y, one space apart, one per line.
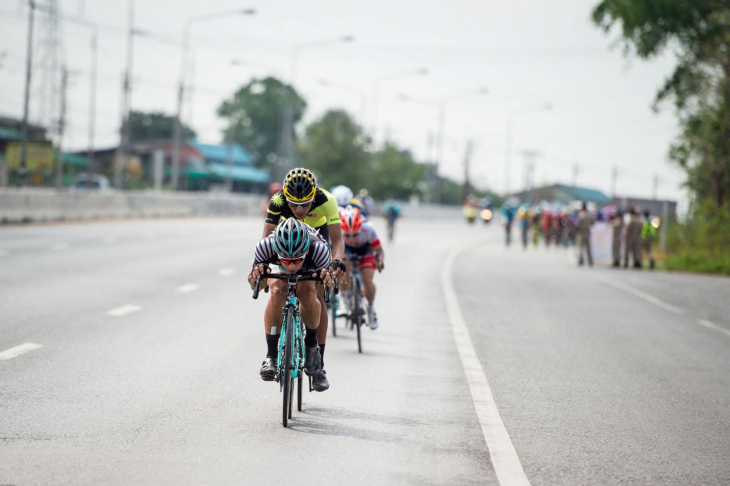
508 142
177 128
26 99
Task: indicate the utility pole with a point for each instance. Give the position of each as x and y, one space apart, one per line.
61 129
124 147
530 157
655 190
26 101
614 177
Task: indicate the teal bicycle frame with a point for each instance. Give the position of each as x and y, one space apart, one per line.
297 363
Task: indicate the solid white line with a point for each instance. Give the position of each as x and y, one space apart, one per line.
642 295
187 288
712 325
124 310
18 350
506 463
60 246
226 272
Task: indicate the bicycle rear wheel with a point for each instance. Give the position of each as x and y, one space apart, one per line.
288 348
300 385
358 317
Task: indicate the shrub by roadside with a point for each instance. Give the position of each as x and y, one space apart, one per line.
702 244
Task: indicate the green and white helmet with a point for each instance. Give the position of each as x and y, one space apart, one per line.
291 239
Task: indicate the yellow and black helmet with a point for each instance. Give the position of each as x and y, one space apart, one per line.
300 186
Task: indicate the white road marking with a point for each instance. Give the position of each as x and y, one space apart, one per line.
506 463
184 289
18 350
60 246
712 325
226 272
641 294
124 310
4 253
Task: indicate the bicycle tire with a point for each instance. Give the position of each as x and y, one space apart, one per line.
300 386
291 398
358 319
286 392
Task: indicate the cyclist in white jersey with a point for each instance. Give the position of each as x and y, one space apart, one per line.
361 239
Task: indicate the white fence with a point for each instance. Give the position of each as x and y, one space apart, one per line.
34 205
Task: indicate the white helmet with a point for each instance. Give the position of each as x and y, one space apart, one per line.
343 195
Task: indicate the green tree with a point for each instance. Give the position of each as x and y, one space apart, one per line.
397 174
254 116
334 149
699 32
154 125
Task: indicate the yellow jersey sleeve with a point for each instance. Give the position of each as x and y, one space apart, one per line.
330 209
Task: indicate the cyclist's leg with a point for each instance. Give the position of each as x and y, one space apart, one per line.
367 271
273 316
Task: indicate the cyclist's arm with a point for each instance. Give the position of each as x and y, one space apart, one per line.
338 244
268 229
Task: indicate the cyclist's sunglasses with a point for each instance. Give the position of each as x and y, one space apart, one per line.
291 261
298 204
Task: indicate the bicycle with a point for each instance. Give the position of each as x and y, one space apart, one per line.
356 315
292 352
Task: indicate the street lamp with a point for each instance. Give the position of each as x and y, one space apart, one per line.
508 144
177 135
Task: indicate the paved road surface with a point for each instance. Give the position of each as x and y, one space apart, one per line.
600 376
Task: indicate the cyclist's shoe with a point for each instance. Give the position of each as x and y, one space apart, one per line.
313 363
268 369
372 317
320 382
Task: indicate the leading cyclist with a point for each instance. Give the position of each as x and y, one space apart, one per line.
301 199
297 248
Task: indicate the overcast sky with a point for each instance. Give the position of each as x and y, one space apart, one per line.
525 52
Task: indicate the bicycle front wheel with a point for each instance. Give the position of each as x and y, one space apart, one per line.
288 349
333 320
300 385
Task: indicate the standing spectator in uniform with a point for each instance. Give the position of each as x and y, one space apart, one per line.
648 233
585 221
633 239
617 223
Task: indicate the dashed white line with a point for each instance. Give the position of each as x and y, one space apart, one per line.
184 289
506 463
712 325
18 350
59 246
641 294
124 310
226 272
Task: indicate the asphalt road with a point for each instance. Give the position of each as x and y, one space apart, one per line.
150 344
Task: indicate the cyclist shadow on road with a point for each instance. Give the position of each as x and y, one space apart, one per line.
322 422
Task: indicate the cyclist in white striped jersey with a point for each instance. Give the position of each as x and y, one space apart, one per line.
297 248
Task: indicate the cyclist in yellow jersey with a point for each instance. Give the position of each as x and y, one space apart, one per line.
300 198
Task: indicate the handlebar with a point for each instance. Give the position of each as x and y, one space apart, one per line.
286 277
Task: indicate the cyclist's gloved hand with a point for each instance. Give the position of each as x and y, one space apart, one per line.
338 268
257 272
326 275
